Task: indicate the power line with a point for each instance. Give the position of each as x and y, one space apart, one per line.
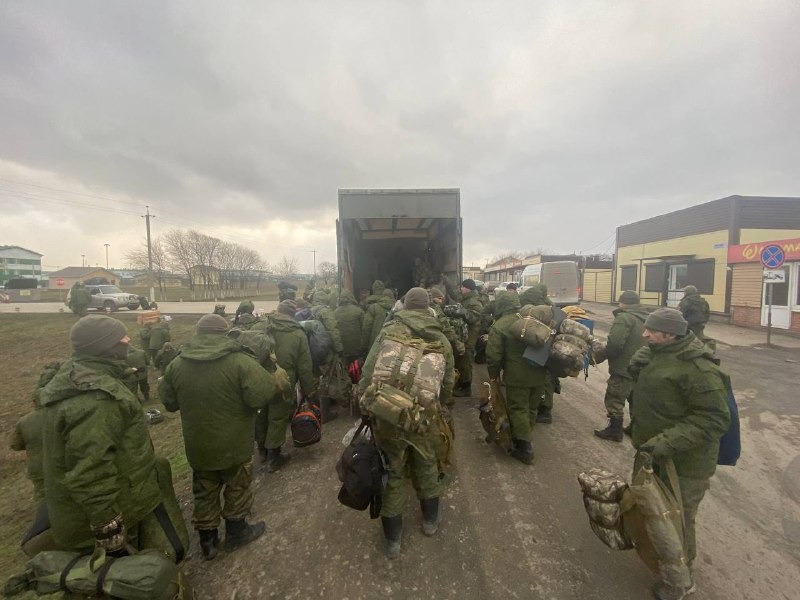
62 201
44 187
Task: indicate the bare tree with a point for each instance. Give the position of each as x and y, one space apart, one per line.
139 259
287 266
327 270
181 258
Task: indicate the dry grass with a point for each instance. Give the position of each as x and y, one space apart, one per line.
28 342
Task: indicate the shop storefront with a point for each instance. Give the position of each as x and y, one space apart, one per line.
750 294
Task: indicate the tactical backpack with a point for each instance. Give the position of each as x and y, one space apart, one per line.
260 344
319 341
362 471
406 381
306 424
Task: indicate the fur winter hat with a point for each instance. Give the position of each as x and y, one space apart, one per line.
469 284
690 289
667 320
212 324
94 335
629 297
416 298
287 307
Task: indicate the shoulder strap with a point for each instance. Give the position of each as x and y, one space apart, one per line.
62 580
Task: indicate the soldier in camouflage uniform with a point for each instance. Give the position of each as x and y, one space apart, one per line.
165 356
286 291
27 437
294 357
695 310
624 339
409 455
537 296
79 299
218 387
680 412
377 310
472 315
350 319
136 380
100 472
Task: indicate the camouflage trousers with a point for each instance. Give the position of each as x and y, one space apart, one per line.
522 404
463 363
272 421
234 484
692 492
413 459
618 390
550 385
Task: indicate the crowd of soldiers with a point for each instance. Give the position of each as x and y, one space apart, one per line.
99 477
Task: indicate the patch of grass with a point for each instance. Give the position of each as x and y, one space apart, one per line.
29 342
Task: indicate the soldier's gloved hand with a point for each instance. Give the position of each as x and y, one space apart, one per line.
110 536
282 380
656 447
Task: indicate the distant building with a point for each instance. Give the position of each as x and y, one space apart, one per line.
16 261
472 272
64 279
711 246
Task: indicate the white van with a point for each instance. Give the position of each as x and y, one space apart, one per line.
561 278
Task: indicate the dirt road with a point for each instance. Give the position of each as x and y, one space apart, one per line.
511 531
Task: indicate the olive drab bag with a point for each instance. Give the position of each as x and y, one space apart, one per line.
494 415
147 575
362 471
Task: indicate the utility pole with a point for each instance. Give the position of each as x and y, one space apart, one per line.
147 218
83 260
314 253
106 245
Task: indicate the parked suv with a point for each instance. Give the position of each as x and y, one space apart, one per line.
109 297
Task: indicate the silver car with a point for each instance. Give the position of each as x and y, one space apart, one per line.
109 297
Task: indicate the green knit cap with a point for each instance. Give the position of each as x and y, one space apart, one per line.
94 335
666 320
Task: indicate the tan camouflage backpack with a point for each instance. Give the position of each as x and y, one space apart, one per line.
406 382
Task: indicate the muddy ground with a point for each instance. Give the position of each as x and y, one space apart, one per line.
512 531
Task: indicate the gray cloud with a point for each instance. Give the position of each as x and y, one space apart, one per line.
558 121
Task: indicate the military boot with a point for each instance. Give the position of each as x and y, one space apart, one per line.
209 543
431 515
464 390
613 430
522 451
544 415
665 591
276 459
392 533
238 533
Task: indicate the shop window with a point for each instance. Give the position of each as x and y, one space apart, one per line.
654 277
700 273
627 277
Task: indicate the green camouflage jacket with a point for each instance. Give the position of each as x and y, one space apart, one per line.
218 388
98 456
504 351
694 309
350 319
681 404
291 349
474 308
625 338
373 321
27 436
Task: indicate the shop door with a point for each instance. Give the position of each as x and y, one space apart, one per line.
781 315
677 281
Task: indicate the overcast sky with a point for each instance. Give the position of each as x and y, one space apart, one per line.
558 120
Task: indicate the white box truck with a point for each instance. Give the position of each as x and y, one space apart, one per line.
381 232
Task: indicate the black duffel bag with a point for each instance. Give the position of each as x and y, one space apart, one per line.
362 472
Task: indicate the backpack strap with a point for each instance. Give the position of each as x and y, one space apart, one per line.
169 530
62 580
102 574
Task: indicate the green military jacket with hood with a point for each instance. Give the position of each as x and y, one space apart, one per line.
474 308
374 319
291 349
218 388
536 295
694 309
504 351
159 335
681 404
418 323
350 318
625 338
98 456
323 313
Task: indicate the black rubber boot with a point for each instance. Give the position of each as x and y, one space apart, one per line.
613 430
392 533
238 533
523 451
431 516
544 415
209 543
276 459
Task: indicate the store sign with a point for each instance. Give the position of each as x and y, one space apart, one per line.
751 253
774 276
